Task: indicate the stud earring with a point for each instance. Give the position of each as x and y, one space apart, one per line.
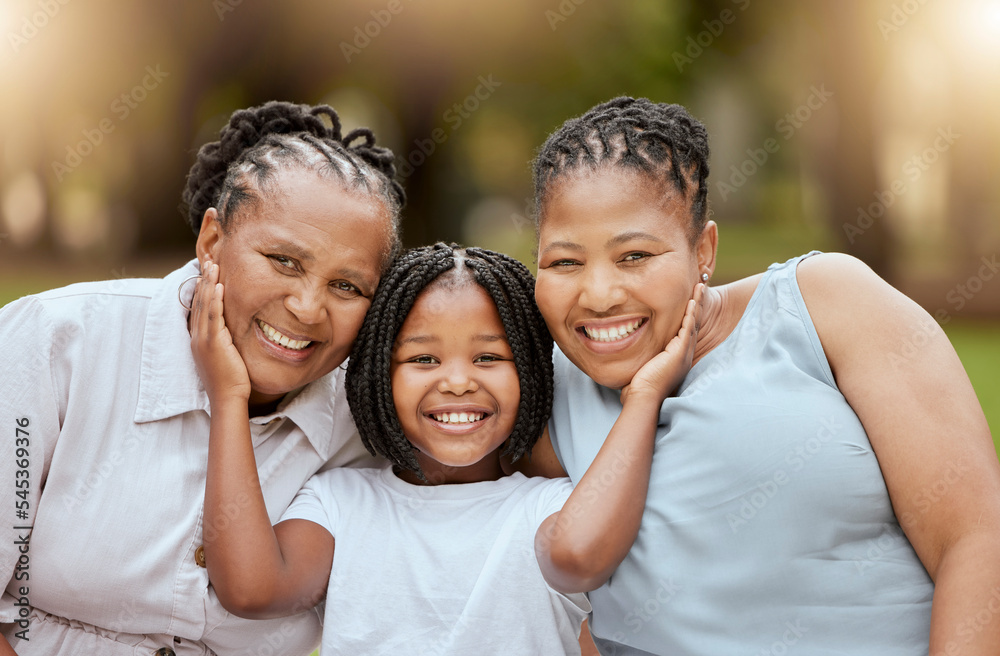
704 277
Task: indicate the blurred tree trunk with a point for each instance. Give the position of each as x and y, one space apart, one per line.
851 60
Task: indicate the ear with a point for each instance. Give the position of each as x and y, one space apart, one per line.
209 237
706 248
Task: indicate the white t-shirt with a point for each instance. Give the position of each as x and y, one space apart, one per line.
443 569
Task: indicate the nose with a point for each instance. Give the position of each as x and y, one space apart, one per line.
601 289
307 301
457 378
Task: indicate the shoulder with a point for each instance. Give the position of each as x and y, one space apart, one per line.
75 302
544 495
834 276
841 291
345 478
859 317
118 290
342 487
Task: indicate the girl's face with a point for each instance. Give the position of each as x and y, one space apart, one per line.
615 270
299 269
454 384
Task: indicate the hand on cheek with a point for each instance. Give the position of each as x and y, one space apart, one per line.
220 366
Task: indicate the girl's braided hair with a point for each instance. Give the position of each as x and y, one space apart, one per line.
240 167
660 140
509 284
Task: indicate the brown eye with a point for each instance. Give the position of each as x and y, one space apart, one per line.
345 288
635 257
283 262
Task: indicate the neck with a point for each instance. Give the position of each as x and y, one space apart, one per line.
724 307
712 331
437 473
260 405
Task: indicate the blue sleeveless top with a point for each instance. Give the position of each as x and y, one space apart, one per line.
768 528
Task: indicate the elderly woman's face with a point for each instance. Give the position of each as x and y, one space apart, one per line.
615 270
299 269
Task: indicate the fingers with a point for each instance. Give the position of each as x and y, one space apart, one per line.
687 334
206 308
216 323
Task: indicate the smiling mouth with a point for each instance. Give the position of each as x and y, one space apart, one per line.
274 336
458 417
613 333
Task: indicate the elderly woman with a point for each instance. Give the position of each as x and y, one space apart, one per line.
107 421
812 488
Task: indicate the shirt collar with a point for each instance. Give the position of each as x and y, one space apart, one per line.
168 380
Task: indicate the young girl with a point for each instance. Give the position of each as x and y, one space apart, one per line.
439 551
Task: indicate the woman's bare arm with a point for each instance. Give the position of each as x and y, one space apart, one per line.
900 374
257 571
581 545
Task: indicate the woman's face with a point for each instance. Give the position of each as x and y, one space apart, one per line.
299 269
615 270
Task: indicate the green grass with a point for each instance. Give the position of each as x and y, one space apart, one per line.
978 345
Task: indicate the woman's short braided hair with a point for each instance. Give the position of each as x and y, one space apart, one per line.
660 140
239 168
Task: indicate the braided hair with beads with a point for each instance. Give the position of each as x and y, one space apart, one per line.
257 142
509 284
659 140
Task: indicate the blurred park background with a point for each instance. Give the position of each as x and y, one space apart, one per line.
864 126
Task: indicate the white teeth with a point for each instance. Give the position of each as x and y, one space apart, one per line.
278 338
612 334
459 417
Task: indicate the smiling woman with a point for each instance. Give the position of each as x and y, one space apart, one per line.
298 289
298 221
788 496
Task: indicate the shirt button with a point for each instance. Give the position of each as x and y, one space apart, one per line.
199 556
164 651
